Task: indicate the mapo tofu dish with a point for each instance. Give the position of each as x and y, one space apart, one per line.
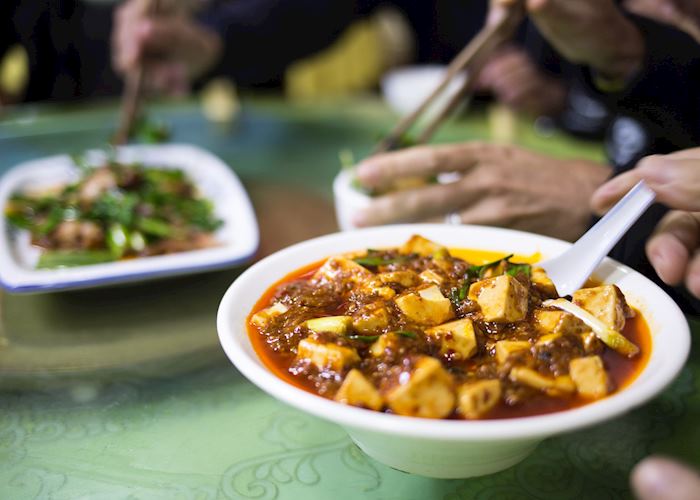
115 211
416 331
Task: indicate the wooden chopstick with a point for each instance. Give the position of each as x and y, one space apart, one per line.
489 38
133 92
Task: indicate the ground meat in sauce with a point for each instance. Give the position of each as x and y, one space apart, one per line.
338 295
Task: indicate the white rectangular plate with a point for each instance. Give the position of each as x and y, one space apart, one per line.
238 236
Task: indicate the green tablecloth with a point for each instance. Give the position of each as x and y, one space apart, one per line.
189 425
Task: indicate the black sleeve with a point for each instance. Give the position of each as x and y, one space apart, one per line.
658 112
262 37
8 31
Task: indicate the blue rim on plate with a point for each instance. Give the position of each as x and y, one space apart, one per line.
238 237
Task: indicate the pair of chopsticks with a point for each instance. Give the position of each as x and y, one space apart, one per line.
469 59
133 92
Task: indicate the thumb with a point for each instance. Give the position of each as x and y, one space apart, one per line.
612 191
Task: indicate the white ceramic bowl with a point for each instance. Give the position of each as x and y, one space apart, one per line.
349 200
452 448
238 236
405 88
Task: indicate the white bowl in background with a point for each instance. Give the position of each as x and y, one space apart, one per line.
452 448
238 236
406 87
348 199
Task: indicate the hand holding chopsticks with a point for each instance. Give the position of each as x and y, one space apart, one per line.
133 90
503 18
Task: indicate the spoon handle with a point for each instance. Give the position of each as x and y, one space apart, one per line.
570 270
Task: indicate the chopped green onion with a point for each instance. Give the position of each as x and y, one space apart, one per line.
410 335
370 261
515 269
154 227
347 158
478 271
117 240
73 258
610 337
137 242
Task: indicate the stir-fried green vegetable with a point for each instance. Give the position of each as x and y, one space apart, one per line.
115 211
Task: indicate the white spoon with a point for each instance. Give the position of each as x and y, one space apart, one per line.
570 270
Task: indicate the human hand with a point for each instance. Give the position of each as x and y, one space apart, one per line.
175 48
515 81
590 32
497 185
675 178
683 14
657 478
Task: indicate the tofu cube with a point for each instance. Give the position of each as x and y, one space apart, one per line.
428 391
557 386
426 306
356 390
374 286
331 324
263 317
540 280
371 319
343 269
422 246
549 322
502 299
504 348
475 399
590 376
591 343
404 278
386 341
548 339
431 277
456 337
326 356
606 303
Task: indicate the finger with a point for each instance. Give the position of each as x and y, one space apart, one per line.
686 154
416 204
658 478
177 35
124 40
518 88
382 170
612 191
168 77
491 211
504 62
675 239
674 179
692 277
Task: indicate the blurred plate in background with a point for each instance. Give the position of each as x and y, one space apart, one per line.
238 236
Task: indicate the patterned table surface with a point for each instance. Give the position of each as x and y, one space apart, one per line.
190 426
